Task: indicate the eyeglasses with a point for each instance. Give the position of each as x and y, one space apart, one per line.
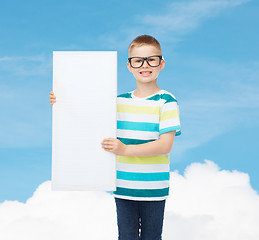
152 61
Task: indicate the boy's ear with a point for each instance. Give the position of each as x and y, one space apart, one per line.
162 64
129 67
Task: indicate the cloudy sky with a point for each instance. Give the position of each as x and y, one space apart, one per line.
212 67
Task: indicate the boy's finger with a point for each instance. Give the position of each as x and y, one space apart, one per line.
107 144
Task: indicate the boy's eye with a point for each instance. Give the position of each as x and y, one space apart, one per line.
138 60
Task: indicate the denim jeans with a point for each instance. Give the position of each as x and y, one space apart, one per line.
140 220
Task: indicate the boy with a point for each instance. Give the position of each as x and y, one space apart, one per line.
147 122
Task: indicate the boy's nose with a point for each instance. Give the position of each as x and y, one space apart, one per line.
145 64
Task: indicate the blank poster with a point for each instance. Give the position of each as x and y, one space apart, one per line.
85 86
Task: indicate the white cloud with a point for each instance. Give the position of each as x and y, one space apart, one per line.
59 215
178 17
25 65
22 81
185 16
22 58
204 203
209 203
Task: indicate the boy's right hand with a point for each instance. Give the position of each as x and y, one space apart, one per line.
52 98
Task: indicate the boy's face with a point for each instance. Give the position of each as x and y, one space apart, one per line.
146 73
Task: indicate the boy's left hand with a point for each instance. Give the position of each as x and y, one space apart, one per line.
114 145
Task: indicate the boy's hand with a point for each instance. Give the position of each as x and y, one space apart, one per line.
114 145
52 98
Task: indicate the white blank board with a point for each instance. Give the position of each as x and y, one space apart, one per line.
85 86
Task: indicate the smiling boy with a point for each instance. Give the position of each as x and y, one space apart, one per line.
147 123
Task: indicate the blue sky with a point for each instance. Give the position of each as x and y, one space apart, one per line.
212 67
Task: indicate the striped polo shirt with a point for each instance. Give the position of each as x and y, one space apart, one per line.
142 120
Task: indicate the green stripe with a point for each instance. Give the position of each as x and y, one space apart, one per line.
142 192
125 95
160 159
129 141
156 97
164 96
169 115
178 132
138 109
136 176
138 126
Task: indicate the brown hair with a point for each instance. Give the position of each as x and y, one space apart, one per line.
144 40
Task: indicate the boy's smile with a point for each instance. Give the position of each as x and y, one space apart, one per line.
146 73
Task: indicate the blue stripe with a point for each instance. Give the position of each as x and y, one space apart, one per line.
142 192
130 141
133 176
138 126
178 132
164 130
125 95
164 96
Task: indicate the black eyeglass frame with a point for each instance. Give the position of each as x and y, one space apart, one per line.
146 58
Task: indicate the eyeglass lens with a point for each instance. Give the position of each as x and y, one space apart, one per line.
152 61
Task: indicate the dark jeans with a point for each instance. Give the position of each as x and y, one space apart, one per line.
140 220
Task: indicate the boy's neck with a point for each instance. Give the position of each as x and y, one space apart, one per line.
144 90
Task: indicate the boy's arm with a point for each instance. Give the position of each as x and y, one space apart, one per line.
157 147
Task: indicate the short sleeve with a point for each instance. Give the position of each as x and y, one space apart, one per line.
169 119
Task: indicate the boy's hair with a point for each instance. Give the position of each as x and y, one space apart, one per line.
144 40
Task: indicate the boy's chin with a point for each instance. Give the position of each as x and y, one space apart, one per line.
145 80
